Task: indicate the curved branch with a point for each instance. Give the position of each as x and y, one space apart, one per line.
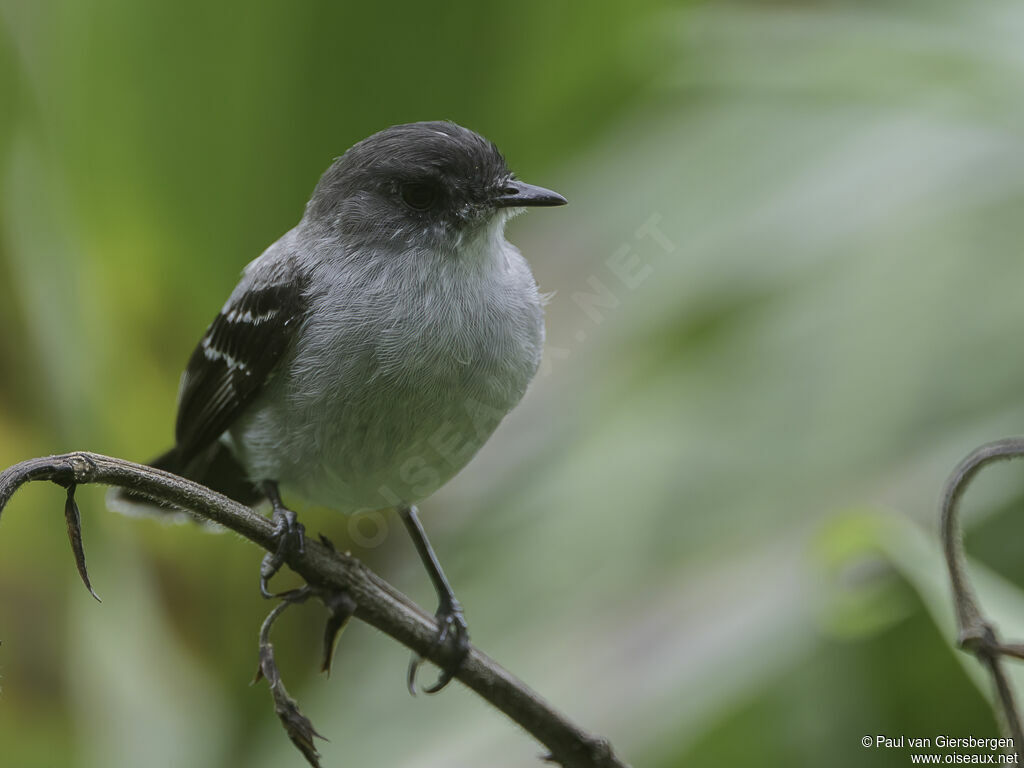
976 633
327 571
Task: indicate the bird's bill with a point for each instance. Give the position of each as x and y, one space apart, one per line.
516 194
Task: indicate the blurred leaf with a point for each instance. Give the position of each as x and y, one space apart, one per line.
788 283
919 559
139 698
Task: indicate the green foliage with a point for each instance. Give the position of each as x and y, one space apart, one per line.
787 287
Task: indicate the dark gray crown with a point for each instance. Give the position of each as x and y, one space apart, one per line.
468 166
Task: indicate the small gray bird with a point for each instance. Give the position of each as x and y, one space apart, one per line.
368 354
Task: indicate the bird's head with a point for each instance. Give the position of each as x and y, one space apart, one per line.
429 184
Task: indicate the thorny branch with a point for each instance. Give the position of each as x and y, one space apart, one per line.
976 633
338 580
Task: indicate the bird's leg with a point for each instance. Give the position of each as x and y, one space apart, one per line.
289 533
451 623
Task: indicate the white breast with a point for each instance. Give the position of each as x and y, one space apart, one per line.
401 373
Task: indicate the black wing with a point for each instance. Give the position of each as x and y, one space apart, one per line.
233 361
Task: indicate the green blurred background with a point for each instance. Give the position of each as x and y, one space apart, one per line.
709 531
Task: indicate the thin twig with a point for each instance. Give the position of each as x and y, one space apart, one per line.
976 633
298 727
329 572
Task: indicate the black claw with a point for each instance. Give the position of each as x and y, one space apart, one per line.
410 673
442 680
270 565
453 630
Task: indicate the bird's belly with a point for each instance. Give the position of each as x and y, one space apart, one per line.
399 450
383 444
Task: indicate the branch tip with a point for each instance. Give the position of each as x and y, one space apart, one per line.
298 727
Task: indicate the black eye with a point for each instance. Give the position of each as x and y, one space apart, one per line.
420 195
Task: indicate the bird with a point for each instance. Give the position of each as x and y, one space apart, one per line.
366 355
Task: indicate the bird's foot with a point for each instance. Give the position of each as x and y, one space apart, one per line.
453 631
289 534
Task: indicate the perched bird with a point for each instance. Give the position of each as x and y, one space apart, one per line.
368 354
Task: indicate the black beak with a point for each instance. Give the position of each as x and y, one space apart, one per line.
515 194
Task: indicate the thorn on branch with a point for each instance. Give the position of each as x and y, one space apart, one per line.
298 727
341 608
73 518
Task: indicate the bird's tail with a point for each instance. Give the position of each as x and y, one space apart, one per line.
216 468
